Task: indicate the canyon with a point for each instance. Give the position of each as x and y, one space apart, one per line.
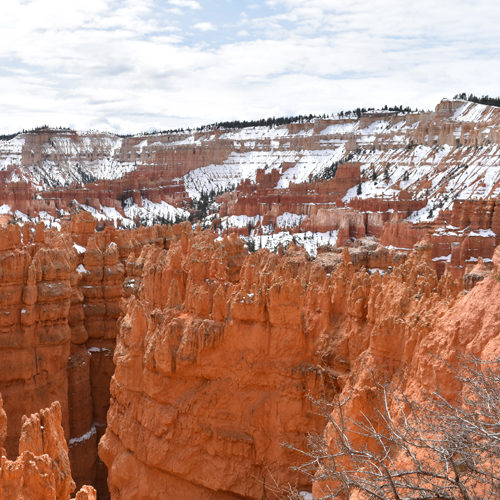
319 256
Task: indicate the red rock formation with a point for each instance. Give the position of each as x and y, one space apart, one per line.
34 332
210 333
58 328
416 342
42 469
168 384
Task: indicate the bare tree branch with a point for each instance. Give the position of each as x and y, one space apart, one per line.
438 449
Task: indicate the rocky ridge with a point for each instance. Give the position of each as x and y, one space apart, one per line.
388 174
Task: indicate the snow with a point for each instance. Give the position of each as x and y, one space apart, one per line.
483 233
148 214
95 213
111 213
256 133
23 217
373 270
81 269
85 437
151 212
11 152
376 127
237 168
310 163
92 157
79 248
309 241
340 128
392 247
472 112
453 173
454 231
443 258
241 166
98 349
5 209
289 220
240 221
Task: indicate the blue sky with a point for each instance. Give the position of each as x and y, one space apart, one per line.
129 65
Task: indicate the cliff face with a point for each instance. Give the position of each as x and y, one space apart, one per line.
60 298
42 469
210 373
34 331
218 349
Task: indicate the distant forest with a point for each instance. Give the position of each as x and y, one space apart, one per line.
485 99
241 124
8 137
283 120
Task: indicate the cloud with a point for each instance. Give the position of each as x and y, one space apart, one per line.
205 26
131 65
190 4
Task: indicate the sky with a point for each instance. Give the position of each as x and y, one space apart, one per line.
129 66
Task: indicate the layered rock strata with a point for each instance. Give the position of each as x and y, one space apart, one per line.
385 166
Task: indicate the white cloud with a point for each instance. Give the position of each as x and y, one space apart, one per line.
190 4
205 26
126 65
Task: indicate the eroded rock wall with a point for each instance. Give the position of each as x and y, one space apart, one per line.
216 348
60 298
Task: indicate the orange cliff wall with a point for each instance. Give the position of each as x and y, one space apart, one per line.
42 469
95 309
39 324
34 332
218 349
212 361
420 339
59 309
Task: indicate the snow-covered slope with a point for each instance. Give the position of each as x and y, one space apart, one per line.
435 158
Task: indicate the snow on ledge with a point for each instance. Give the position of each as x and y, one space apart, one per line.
79 248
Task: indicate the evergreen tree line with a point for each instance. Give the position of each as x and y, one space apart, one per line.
263 122
485 99
8 137
276 121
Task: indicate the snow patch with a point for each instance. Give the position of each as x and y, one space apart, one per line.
85 437
79 248
81 269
